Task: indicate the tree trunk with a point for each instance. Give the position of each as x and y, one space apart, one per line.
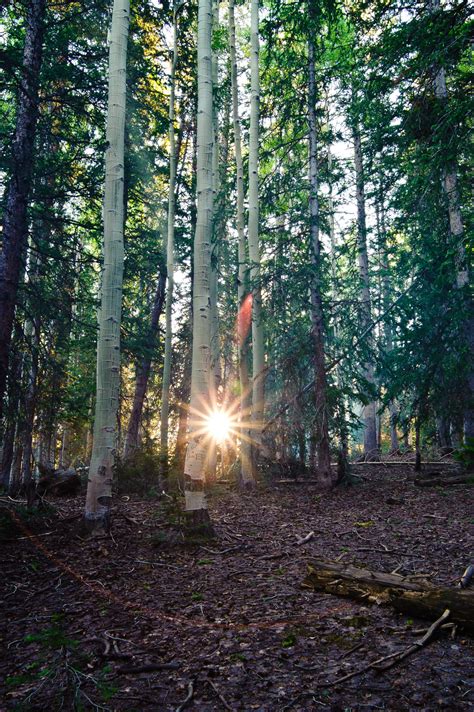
244 300
369 414
196 462
417 598
15 221
456 227
165 390
323 464
143 370
258 354
99 489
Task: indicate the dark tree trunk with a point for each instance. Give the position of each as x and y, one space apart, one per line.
15 222
323 465
143 371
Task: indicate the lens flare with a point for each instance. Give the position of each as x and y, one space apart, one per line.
219 425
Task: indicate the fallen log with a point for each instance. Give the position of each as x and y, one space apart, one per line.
444 481
414 597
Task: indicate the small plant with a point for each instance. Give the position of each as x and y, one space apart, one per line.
465 455
288 641
196 596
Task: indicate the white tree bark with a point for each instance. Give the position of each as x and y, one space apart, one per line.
165 391
196 462
99 488
258 355
242 293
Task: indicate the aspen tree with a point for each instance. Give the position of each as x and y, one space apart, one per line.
242 295
369 412
323 464
197 453
99 489
258 355
165 390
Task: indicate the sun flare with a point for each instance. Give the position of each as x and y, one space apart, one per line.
219 425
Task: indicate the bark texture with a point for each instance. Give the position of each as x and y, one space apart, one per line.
15 221
258 354
165 390
414 597
99 489
244 302
369 413
196 462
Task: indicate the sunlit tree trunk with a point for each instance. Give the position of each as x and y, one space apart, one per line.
323 464
165 391
196 462
258 354
244 303
99 489
456 227
369 413
143 370
386 297
15 220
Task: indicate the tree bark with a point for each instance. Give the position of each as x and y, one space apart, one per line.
15 221
246 472
418 598
99 489
143 370
369 413
165 389
197 453
323 464
258 353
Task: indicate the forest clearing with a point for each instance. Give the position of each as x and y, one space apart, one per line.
236 355
129 622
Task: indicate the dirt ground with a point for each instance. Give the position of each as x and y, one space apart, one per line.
132 622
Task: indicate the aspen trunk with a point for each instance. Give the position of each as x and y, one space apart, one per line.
323 464
196 462
143 371
369 413
246 472
165 390
15 221
388 333
99 489
258 354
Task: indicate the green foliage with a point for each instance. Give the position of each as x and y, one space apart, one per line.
465 455
139 474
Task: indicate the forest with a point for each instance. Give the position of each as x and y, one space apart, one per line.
236 355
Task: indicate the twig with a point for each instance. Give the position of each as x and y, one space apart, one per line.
304 539
220 696
189 697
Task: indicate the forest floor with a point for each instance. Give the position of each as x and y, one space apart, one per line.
90 622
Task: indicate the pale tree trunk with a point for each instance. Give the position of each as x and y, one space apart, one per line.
323 464
99 489
143 371
15 220
388 333
247 475
215 370
258 354
456 227
196 462
165 390
343 430
369 412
